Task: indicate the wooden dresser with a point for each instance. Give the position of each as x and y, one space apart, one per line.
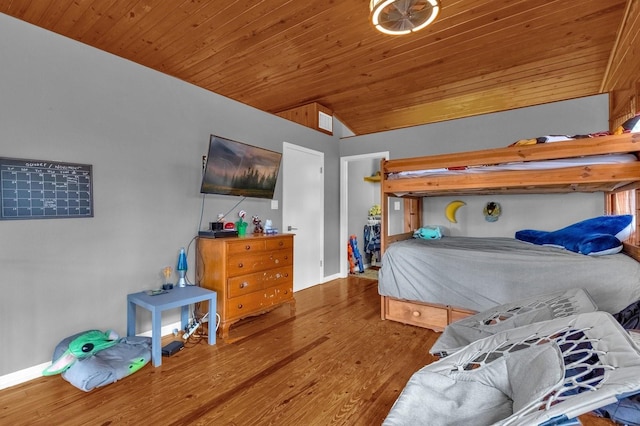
251 274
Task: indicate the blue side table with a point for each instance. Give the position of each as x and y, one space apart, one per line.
179 297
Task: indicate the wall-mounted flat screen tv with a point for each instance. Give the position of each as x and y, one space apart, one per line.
236 168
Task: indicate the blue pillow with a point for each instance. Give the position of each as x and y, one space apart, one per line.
596 236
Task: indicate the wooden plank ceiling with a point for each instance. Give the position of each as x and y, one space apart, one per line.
480 56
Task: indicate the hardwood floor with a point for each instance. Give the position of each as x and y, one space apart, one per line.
334 363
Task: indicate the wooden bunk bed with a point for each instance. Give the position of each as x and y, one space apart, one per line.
606 178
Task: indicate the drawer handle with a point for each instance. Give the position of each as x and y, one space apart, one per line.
247 247
240 265
244 284
286 292
416 314
286 275
240 306
280 243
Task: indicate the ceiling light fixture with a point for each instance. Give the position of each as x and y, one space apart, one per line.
397 17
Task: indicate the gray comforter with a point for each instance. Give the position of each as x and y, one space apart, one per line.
479 273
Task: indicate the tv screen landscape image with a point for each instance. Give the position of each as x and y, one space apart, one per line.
236 168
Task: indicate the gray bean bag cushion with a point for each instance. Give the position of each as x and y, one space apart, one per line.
549 371
124 357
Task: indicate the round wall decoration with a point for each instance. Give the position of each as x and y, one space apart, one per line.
492 211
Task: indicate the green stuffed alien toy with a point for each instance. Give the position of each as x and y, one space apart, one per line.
83 346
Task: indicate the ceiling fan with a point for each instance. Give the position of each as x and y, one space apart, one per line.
397 17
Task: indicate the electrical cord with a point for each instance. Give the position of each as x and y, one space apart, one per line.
196 307
200 227
204 165
195 338
201 214
223 216
186 276
231 209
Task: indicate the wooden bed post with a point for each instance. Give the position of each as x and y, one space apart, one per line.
412 214
384 207
626 202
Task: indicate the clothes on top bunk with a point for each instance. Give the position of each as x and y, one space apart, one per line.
630 126
553 138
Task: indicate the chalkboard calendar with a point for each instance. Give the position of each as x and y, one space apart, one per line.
36 189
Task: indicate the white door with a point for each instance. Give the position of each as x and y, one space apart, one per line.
303 212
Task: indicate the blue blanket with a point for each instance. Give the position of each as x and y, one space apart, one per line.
595 237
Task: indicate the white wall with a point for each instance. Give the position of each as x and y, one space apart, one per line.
145 134
577 116
544 212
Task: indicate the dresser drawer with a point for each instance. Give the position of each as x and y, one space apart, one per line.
243 284
245 246
259 301
421 315
280 293
260 261
277 243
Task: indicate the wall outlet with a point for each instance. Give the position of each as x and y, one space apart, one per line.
396 205
274 204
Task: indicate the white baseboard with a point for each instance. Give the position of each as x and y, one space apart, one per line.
22 376
34 372
165 330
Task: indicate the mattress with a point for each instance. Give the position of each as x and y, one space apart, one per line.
480 273
522 165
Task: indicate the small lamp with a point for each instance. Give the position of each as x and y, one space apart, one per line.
182 268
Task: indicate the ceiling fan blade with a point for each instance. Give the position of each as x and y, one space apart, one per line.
403 15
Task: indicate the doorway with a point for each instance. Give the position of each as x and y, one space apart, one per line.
346 188
303 212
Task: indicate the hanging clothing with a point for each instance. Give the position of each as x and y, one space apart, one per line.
372 239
